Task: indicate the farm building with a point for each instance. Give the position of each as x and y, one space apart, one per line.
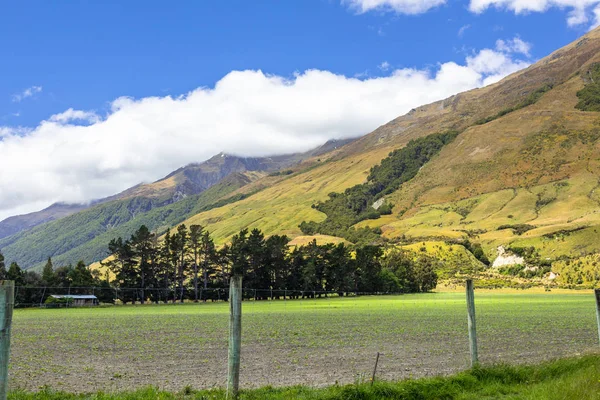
76 300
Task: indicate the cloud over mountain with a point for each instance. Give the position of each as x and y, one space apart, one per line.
78 155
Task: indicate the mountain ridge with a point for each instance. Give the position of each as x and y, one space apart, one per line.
33 244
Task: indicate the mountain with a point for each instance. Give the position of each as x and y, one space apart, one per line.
19 223
523 171
514 165
82 232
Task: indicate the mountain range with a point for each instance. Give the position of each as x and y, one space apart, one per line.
522 172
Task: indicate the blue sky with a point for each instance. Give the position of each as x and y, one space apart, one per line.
85 54
102 95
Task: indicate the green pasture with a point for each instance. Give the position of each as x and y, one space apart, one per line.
313 342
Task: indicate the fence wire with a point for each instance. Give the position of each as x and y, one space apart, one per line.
311 338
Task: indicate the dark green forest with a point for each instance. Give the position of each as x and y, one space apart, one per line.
355 204
589 96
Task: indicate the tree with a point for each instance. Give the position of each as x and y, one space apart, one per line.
167 261
180 248
239 254
209 258
122 264
338 268
426 277
48 275
367 262
223 262
81 278
400 264
314 267
143 249
15 273
277 261
258 272
294 278
196 232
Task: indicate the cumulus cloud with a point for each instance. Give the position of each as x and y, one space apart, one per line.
29 92
397 6
248 113
384 66
72 115
515 45
579 11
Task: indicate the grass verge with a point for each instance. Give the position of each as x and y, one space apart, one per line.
572 378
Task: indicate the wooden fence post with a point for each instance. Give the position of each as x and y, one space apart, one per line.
597 294
235 336
471 323
7 301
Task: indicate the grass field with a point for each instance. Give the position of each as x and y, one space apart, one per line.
315 342
573 378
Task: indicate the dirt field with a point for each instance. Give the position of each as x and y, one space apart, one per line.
314 342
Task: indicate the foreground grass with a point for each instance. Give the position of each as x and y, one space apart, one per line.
573 378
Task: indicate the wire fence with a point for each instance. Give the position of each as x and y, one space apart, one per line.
295 337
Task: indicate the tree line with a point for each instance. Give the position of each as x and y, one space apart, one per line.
34 288
186 264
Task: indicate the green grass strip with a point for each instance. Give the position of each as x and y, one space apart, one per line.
573 378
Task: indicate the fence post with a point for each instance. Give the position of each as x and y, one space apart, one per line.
235 336
597 293
7 301
471 323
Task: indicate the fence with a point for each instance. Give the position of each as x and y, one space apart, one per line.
41 296
311 338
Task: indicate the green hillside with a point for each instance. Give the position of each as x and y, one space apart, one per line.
523 172
514 164
83 236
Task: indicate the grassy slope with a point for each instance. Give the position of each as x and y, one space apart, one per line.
575 378
493 174
283 206
542 171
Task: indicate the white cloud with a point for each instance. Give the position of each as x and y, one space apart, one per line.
29 92
515 45
596 18
397 6
579 11
75 115
462 30
248 113
494 65
384 66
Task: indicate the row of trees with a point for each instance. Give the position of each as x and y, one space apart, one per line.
186 265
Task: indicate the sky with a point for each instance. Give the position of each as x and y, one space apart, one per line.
97 96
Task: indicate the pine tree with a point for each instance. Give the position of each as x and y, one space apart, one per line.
209 258
15 273
181 249
123 265
142 246
196 233
48 275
